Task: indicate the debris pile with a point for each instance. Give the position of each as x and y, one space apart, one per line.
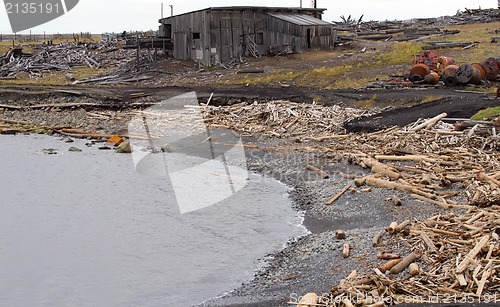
67 56
430 68
431 164
51 58
467 16
448 258
414 29
433 161
395 26
282 118
399 32
452 258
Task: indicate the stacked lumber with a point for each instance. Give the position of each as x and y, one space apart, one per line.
453 259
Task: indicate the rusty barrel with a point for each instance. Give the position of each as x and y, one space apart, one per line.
449 75
490 65
418 72
432 78
468 74
481 70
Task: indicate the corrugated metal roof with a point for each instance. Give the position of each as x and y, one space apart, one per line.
255 8
300 19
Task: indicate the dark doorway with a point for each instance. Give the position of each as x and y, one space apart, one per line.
308 38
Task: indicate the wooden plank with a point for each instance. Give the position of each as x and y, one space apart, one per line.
338 195
472 254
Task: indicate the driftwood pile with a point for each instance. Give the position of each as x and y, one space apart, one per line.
452 258
66 56
462 17
400 32
415 29
283 118
52 58
127 71
465 17
430 160
432 165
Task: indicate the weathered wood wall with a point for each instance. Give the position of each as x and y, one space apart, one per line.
213 36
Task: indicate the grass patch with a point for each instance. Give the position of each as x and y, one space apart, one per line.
329 72
401 53
480 33
487 114
431 99
274 76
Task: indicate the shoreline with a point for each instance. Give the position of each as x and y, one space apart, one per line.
308 263
314 262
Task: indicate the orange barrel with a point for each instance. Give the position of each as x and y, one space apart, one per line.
418 72
432 78
490 65
449 75
481 70
467 73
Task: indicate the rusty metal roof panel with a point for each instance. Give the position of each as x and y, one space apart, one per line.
300 19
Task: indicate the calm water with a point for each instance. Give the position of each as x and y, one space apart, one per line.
84 229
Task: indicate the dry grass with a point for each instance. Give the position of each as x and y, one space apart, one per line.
53 78
480 33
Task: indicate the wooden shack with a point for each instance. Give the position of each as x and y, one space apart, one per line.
221 34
